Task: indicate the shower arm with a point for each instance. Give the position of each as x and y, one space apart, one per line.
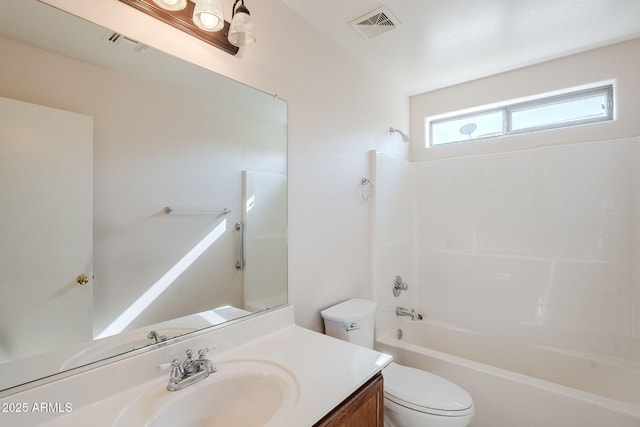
405 137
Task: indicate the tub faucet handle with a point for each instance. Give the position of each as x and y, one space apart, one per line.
399 286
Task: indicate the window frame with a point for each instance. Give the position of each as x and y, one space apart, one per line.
509 108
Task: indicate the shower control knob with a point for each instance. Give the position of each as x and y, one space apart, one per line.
399 286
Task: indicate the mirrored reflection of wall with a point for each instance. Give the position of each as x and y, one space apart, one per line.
265 222
155 146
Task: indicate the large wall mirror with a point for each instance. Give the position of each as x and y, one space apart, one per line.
143 198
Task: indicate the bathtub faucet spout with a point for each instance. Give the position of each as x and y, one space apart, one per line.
401 311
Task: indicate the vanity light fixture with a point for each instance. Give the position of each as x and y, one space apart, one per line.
241 29
171 4
207 15
204 20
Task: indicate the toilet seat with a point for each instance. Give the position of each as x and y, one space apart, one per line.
425 392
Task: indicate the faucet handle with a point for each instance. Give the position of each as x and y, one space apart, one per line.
209 366
175 374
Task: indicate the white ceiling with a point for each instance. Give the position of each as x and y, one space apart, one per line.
445 42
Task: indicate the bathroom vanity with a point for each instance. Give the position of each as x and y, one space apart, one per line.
270 372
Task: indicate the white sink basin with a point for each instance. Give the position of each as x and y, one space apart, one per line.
243 393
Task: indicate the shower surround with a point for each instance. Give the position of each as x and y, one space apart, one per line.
539 245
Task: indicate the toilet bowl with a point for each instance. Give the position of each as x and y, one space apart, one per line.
412 397
417 398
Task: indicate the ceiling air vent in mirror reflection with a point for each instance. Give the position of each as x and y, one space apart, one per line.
124 42
376 22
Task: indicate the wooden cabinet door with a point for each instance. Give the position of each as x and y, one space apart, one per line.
364 408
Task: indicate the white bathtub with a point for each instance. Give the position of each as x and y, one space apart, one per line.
520 385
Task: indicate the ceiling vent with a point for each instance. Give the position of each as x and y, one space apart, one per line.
376 22
125 42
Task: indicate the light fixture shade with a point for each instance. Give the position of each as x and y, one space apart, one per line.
207 15
171 4
241 30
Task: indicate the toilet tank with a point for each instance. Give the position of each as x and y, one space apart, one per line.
352 321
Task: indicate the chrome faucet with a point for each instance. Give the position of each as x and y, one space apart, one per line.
191 371
401 311
154 335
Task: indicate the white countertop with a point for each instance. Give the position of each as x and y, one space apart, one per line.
327 371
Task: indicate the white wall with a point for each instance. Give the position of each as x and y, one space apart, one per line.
536 244
338 111
540 245
265 243
394 223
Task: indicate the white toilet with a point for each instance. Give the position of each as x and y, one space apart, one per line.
412 397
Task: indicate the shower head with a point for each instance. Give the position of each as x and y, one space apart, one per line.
405 137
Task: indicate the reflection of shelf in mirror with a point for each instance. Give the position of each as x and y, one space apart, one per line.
169 210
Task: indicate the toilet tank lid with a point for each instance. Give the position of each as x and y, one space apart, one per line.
350 310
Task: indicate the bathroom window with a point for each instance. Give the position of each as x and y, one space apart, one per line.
549 112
